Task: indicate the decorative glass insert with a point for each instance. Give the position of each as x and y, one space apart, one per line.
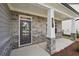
25 27
52 23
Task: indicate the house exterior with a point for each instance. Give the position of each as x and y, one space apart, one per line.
66 25
32 23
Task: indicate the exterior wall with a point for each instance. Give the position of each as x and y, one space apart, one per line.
77 25
73 30
66 26
5 33
58 28
51 45
38 27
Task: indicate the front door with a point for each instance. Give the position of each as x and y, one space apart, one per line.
25 32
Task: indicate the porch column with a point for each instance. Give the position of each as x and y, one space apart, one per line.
50 31
73 30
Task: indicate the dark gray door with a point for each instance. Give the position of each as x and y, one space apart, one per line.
25 32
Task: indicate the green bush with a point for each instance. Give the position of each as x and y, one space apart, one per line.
77 47
77 34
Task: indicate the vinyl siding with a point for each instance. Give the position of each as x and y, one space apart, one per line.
5 29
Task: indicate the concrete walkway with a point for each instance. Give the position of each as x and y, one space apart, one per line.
32 50
39 49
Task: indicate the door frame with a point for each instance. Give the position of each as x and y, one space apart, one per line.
20 18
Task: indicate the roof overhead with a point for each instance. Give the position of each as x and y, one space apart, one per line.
75 6
60 16
62 8
60 13
30 8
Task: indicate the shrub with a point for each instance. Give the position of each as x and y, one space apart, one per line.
77 47
77 34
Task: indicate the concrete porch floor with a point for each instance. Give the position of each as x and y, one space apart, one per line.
32 50
39 49
62 43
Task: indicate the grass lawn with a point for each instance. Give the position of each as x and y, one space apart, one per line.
66 36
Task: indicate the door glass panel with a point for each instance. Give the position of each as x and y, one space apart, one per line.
25 29
25 32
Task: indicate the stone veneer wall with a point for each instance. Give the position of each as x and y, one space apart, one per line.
38 26
58 26
5 33
51 45
38 29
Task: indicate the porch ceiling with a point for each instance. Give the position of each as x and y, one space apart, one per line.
60 16
75 6
29 8
61 8
36 9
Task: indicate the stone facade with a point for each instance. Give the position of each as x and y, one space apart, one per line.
51 45
58 28
39 30
38 27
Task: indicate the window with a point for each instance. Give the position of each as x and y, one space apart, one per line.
52 23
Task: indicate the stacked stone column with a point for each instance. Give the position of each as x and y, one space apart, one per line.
51 31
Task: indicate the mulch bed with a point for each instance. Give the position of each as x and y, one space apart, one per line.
69 51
